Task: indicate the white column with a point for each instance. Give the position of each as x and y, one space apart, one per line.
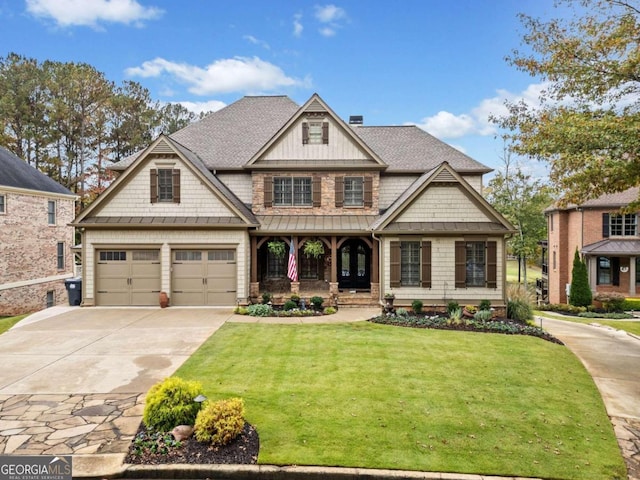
632 276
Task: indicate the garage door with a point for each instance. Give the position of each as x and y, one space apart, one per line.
127 277
204 277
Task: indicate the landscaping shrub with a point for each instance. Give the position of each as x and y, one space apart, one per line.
416 306
260 310
451 306
171 403
402 312
220 422
317 302
289 305
266 298
631 304
485 304
330 310
611 301
455 316
562 308
483 315
295 298
610 316
580 292
519 310
240 310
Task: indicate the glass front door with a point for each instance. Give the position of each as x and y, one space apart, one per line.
354 265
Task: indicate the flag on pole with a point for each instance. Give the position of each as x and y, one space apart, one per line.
292 271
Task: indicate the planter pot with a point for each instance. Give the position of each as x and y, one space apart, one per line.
466 313
164 300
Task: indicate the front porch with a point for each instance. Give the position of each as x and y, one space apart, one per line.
343 270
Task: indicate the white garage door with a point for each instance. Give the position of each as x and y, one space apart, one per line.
127 277
204 277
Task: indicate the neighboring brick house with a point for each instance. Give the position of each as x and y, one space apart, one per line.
609 242
394 209
35 237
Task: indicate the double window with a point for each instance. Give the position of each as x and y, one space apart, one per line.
292 191
165 185
619 225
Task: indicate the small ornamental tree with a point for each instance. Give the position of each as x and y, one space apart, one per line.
579 293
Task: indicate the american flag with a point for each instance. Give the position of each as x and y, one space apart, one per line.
292 271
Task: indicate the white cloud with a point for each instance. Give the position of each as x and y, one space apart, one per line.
91 12
330 17
199 107
256 41
238 74
297 25
329 13
476 122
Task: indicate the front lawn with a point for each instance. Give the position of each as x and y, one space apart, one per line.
7 322
379 396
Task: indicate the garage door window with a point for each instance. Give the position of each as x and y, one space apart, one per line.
188 256
146 256
113 256
222 255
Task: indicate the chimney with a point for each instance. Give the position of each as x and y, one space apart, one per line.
355 120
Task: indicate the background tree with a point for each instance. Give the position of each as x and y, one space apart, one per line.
579 292
588 121
522 200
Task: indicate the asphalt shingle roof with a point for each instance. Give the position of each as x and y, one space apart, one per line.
15 172
228 139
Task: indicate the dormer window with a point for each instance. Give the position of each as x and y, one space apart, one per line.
315 132
165 185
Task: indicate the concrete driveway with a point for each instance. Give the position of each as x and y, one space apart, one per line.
102 350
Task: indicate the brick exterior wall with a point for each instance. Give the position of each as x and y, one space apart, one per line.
328 204
28 252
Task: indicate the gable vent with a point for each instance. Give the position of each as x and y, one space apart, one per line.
162 149
445 176
315 106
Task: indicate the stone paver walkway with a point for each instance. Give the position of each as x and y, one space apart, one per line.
68 424
628 434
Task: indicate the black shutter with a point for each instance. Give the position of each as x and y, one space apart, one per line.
492 265
153 180
339 191
176 185
461 265
394 265
325 133
425 277
305 133
268 191
605 225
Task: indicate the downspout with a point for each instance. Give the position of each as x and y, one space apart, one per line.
380 263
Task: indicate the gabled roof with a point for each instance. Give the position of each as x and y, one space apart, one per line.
444 173
612 201
17 173
234 136
198 168
409 148
316 104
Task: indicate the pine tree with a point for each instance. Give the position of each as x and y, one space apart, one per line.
580 292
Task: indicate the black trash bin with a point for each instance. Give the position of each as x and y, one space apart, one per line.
74 290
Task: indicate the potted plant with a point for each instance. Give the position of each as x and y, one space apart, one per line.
313 248
389 298
469 311
277 248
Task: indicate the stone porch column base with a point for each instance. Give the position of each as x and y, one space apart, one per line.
295 287
375 291
333 288
254 289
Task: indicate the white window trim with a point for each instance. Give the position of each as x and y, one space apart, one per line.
55 213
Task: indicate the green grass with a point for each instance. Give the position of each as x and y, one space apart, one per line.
627 326
533 273
377 396
7 322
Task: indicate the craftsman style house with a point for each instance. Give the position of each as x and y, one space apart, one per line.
212 214
608 240
35 237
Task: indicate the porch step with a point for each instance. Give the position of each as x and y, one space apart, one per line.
345 299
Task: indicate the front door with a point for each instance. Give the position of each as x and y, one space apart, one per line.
354 265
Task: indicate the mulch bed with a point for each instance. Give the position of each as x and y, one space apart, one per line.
242 450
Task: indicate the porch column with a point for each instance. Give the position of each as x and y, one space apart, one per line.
374 262
632 276
592 268
254 285
333 284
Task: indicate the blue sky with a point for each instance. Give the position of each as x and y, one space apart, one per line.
433 63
